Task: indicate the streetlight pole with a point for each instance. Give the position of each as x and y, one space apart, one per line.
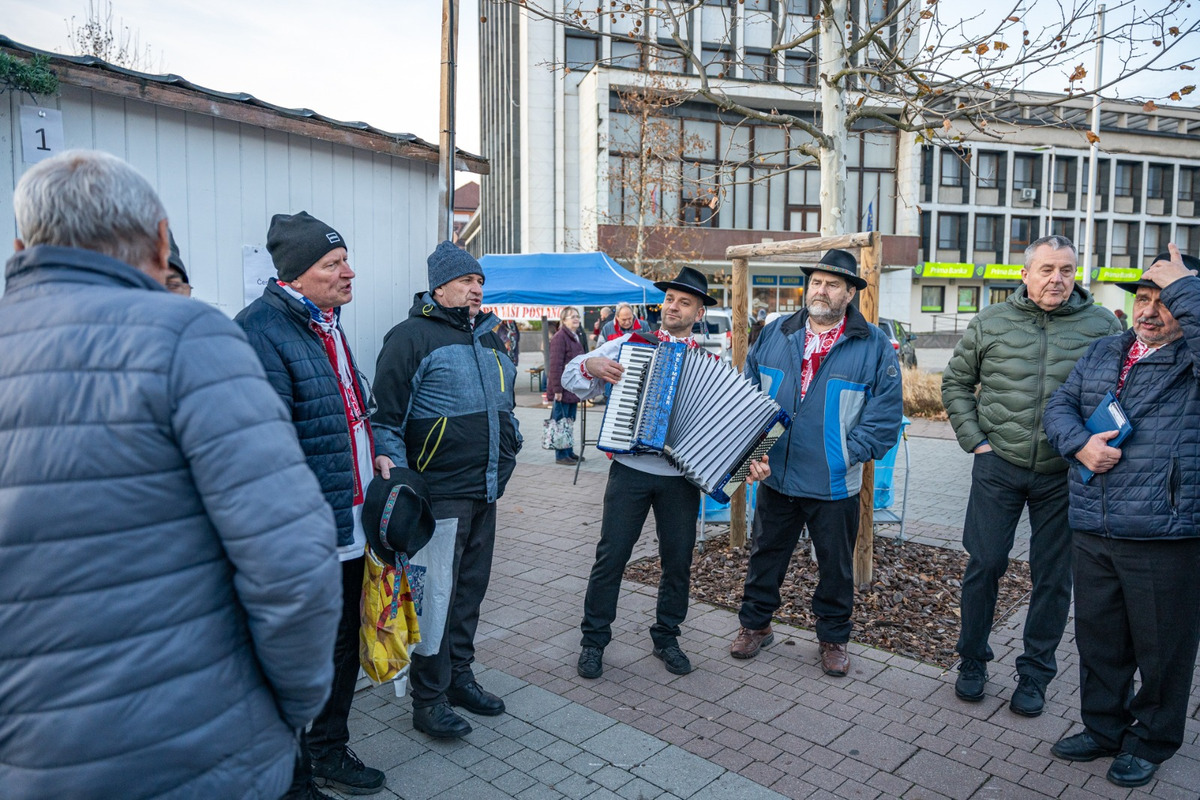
1090 224
445 227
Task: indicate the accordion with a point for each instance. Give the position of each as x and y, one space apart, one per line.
699 412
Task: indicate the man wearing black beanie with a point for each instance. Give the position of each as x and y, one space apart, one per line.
294 328
445 391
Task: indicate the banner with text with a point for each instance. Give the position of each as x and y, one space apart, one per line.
524 313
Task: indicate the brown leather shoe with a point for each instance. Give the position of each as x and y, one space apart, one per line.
749 642
834 659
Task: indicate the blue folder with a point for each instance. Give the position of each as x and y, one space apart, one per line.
1108 416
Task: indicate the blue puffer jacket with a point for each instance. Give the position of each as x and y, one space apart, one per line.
169 589
297 365
851 413
1154 490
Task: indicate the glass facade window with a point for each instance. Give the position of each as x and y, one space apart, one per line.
1122 234
1064 171
933 299
987 170
950 233
987 229
999 294
1157 237
1022 232
1063 227
1126 173
968 299
1189 183
1158 181
952 168
1025 172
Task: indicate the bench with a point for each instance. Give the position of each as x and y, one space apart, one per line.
535 374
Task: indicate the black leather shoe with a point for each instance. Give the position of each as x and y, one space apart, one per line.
475 699
344 771
1129 771
676 662
1080 747
440 722
591 662
972 678
1029 698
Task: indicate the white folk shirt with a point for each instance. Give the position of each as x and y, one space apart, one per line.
577 381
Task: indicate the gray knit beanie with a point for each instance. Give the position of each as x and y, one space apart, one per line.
449 261
297 241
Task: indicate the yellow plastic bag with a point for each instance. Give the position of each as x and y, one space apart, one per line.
389 620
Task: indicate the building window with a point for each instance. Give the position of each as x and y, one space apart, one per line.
950 232
1063 227
808 8
1064 171
760 65
582 52
1157 237
1121 236
933 299
1189 183
1025 172
877 10
1158 181
987 229
1189 239
1022 233
952 168
999 294
626 54
1125 179
988 170
968 299
800 68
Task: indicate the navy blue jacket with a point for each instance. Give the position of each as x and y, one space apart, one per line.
1154 490
445 392
169 588
850 415
297 365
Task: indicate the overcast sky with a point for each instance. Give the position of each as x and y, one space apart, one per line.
372 60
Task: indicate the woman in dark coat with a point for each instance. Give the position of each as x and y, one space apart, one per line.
564 346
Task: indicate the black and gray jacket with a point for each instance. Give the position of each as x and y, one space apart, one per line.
445 393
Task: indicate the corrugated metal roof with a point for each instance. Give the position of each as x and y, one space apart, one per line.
234 97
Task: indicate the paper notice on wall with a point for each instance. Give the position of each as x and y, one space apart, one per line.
257 271
41 133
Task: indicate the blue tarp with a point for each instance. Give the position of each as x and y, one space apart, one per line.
563 279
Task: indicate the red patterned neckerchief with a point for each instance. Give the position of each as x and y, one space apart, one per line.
1136 353
663 336
816 347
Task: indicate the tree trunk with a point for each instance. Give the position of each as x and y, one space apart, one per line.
834 219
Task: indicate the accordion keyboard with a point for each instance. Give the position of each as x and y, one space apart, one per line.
619 427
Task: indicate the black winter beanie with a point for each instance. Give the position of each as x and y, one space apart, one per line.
297 241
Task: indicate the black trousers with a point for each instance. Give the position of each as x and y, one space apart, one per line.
628 498
474 543
330 732
833 526
1137 608
999 492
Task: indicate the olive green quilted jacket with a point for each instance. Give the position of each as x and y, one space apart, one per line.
1017 355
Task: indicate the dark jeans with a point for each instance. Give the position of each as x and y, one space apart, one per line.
563 410
1137 608
833 526
999 492
431 676
628 498
329 732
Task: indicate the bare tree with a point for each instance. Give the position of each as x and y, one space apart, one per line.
917 66
97 37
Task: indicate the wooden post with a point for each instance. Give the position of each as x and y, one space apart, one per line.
741 302
868 304
445 226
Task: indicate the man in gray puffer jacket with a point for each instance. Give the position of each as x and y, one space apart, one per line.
169 588
1017 353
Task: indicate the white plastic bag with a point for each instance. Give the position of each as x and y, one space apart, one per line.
430 575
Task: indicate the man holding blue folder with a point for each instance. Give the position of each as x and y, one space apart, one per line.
1136 538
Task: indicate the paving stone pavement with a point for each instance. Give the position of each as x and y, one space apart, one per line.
767 727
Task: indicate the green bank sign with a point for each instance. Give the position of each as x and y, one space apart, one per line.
1011 272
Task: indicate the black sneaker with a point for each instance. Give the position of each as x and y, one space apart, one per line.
344 771
675 660
1029 698
591 662
972 678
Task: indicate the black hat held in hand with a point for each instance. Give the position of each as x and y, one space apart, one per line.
397 516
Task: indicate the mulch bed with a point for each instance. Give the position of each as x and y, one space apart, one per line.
911 607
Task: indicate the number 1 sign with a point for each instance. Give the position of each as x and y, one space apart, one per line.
41 133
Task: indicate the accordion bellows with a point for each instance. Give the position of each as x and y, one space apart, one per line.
698 411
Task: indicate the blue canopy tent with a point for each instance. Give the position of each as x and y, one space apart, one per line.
563 279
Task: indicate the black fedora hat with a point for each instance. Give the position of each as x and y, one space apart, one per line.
839 262
397 514
1191 262
692 281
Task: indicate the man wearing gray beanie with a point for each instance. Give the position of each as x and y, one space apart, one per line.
445 391
294 327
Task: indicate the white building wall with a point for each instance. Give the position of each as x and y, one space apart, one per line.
541 123
221 181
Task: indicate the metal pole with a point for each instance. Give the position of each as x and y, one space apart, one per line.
445 228
1090 224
